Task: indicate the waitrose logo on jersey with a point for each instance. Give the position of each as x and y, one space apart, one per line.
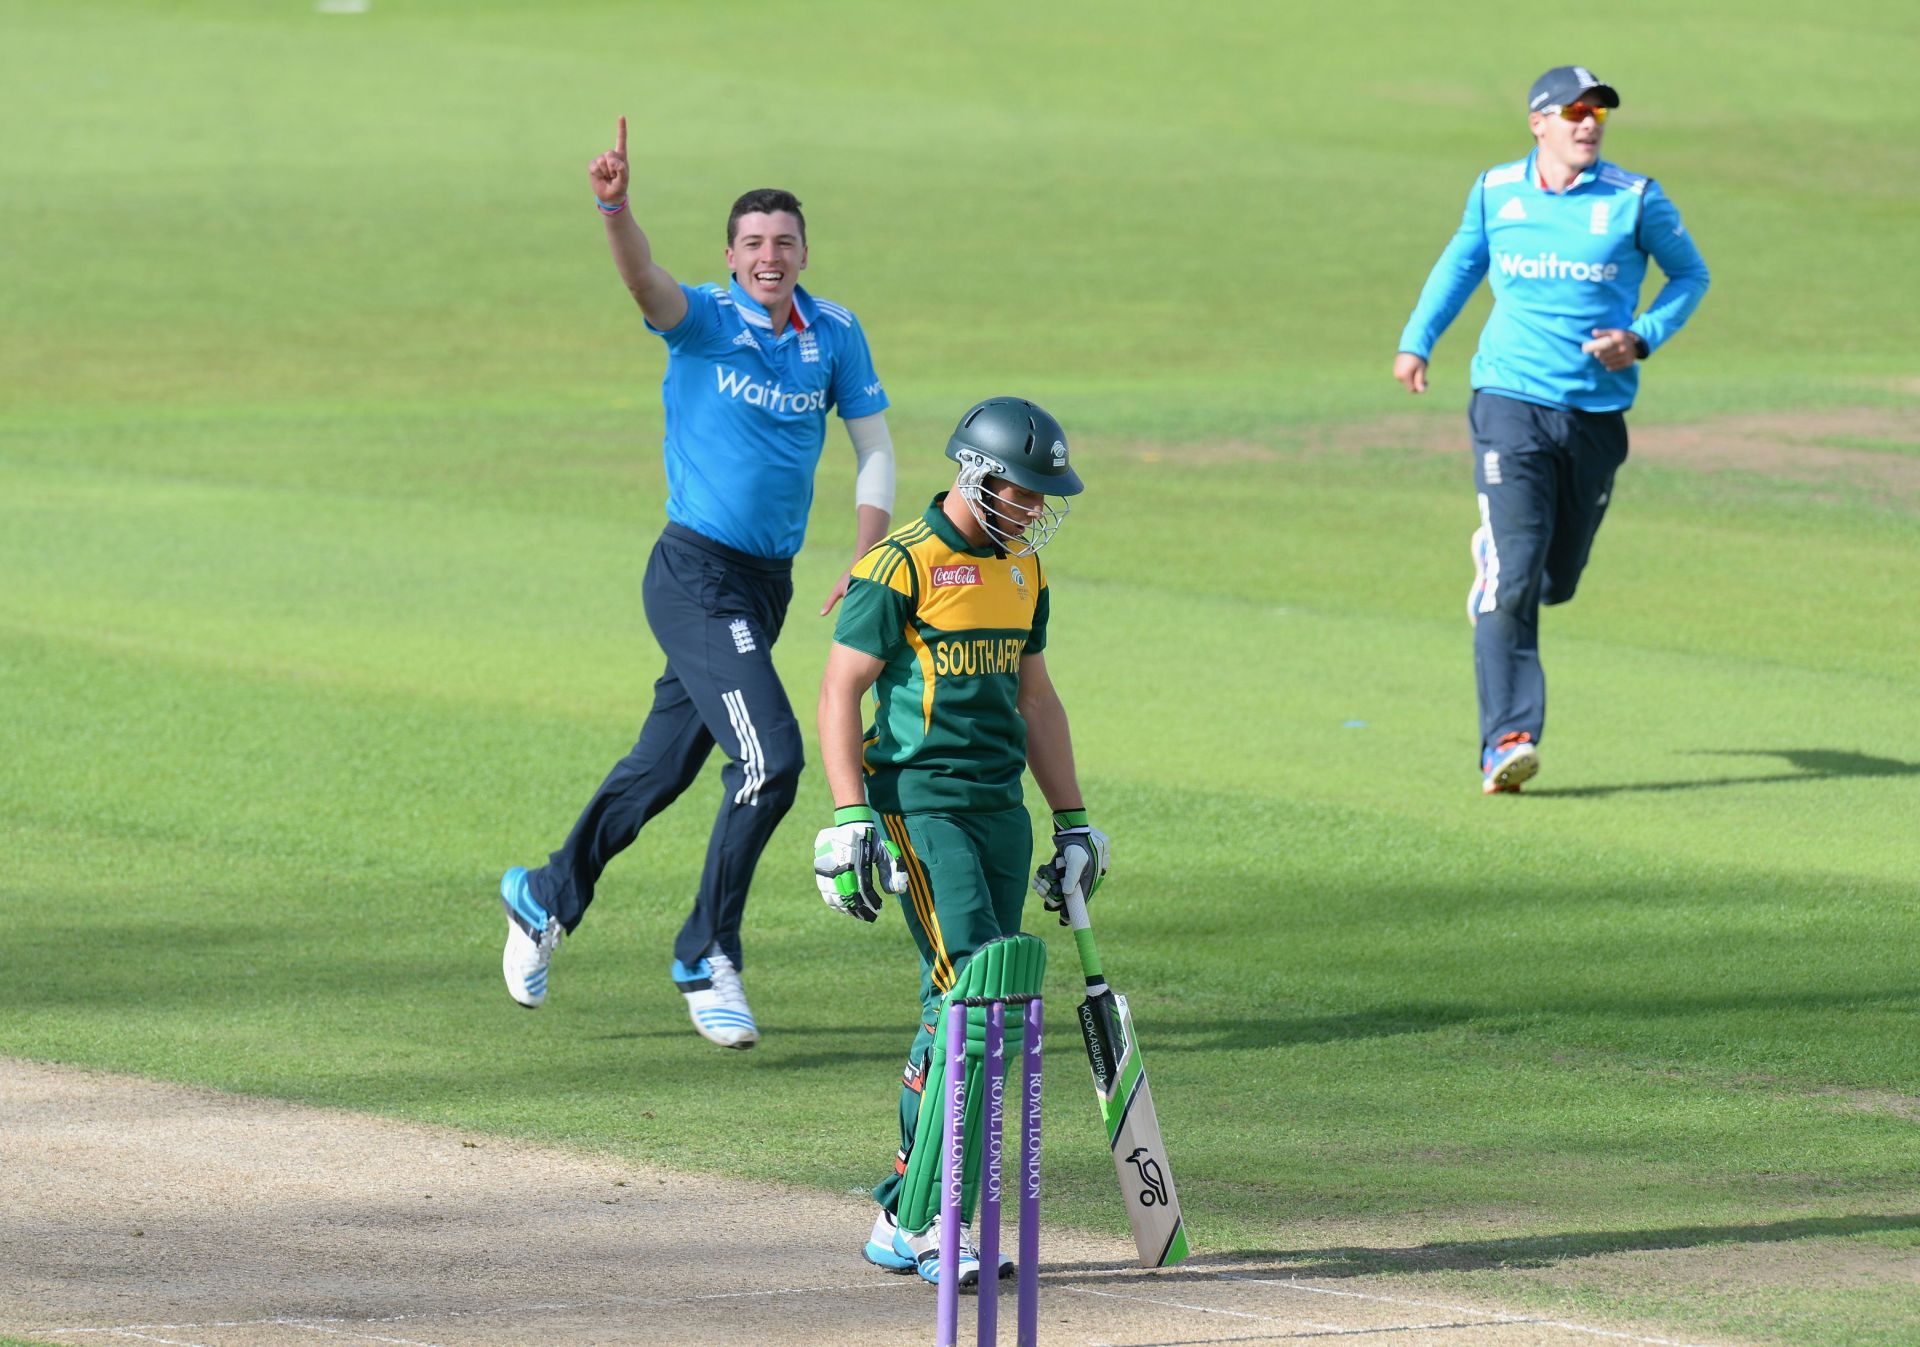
1553 267
770 396
955 575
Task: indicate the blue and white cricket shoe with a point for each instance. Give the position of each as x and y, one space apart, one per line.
715 1001
880 1251
1481 546
924 1250
532 936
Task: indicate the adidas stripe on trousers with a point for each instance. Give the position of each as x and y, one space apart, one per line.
716 613
1544 476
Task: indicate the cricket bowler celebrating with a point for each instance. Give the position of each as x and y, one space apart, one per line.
1564 237
947 621
752 370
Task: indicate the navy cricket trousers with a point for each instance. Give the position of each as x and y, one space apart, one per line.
716 613
1544 476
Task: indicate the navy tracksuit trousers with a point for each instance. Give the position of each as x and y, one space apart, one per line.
1544 476
716 613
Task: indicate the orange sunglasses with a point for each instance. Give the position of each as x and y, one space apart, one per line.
1579 112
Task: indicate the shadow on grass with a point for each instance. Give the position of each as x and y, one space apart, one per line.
1172 1033
1177 1033
885 1043
1809 764
1530 1251
835 1032
1253 1031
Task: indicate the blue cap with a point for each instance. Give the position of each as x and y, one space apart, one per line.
1566 84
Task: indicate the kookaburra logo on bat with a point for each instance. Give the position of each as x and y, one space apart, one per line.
1153 1184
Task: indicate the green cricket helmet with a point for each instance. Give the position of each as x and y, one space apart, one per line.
1019 442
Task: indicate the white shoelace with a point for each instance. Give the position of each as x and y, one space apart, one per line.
726 980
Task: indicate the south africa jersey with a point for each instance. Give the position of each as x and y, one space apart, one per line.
1560 264
952 622
747 412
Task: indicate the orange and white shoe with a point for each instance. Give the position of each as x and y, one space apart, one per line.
1508 763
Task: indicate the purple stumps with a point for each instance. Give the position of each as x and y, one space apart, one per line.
953 1169
994 1051
953 1154
1029 1292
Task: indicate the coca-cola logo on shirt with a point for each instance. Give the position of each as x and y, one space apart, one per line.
955 575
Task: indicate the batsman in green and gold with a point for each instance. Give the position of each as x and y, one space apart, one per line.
952 624
945 622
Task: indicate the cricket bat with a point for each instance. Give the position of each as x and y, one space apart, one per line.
1133 1132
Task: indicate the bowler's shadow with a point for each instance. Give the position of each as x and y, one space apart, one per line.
1808 764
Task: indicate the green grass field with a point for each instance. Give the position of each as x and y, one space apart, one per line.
329 462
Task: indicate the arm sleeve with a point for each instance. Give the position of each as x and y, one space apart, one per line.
1666 240
880 603
701 321
873 456
856 388
1453 279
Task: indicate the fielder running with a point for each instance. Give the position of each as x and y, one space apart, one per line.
752 370
947 621
1564 237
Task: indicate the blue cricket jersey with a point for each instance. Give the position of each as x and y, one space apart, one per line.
747 412
1561 265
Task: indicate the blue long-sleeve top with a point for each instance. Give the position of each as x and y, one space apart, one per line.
1562 264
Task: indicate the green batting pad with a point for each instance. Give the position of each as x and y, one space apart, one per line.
1013 965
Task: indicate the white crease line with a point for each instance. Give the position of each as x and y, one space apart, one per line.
782 1291
1612 1333
1202 1309
1289 1284
354 1333
1479 1318
131 1331
1499 1316
318 1325
140 1330
1444 1327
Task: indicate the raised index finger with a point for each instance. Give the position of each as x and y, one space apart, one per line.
620 139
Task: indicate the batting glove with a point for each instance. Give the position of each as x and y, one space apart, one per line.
1081 855
849 857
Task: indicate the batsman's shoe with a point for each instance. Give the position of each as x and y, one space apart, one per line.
1007 1266
715 1001
1508 763
924 1250
532 937
880 1251
1482 548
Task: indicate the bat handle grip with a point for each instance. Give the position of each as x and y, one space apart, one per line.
1077 910
1082 932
